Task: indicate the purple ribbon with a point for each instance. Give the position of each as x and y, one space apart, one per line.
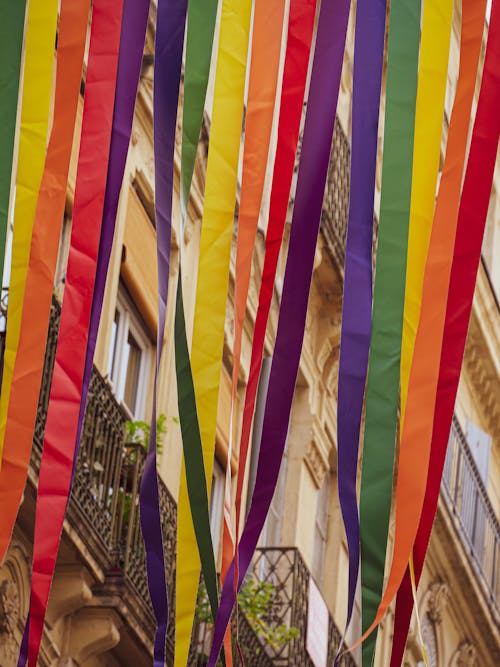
318 132
170 24
133 34
132 37
357 299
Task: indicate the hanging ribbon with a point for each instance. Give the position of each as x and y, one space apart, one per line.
199 44
469 235
318 132
267 34
11 42
384 359
38 64
432 76
357 298
430 355
65 395
198 382
170 25
298 47
133 34
28 368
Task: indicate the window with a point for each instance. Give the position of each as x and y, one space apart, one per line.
130 357
321 531
217 505
480 446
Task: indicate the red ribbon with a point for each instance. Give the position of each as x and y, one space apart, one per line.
298 48
468 241
64 406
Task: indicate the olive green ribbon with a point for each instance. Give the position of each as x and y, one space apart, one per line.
199 43
382 391
11 42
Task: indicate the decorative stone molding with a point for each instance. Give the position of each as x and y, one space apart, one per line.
71 591
316 462
9 606
9 616
466 655
94 631
438 598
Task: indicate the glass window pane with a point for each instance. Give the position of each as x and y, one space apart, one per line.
132 375
112 347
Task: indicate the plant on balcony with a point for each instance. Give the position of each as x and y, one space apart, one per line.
255 601
138 432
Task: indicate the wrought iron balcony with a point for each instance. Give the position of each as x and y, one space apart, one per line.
336 202
474 517
104 503
285 570
272 630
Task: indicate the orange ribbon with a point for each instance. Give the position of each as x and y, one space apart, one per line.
47 224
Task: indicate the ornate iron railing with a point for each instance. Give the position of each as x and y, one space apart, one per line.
336 202
105 493
472 512
285 570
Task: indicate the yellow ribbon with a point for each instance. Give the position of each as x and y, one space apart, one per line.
212 286
38 65
432 76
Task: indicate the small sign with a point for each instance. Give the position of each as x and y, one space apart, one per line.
317 627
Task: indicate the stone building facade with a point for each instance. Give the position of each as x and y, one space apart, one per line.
99 611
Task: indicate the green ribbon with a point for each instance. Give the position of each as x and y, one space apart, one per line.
388 303
199 42
11 42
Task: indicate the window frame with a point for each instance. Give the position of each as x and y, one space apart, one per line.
129 322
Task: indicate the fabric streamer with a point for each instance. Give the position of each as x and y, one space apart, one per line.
11 42
17 433
298 48
318 133
199 43
432 76
198 395
384 359
437 320
38 64
357 298
133 35
170 25
267 34
65 395
201 19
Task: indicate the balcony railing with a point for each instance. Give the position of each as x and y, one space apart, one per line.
105 494
274 634
473 515
285 570
336 202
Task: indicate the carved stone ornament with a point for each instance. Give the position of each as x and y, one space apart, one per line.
466 655
317 465
438 599
9 607
9 615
